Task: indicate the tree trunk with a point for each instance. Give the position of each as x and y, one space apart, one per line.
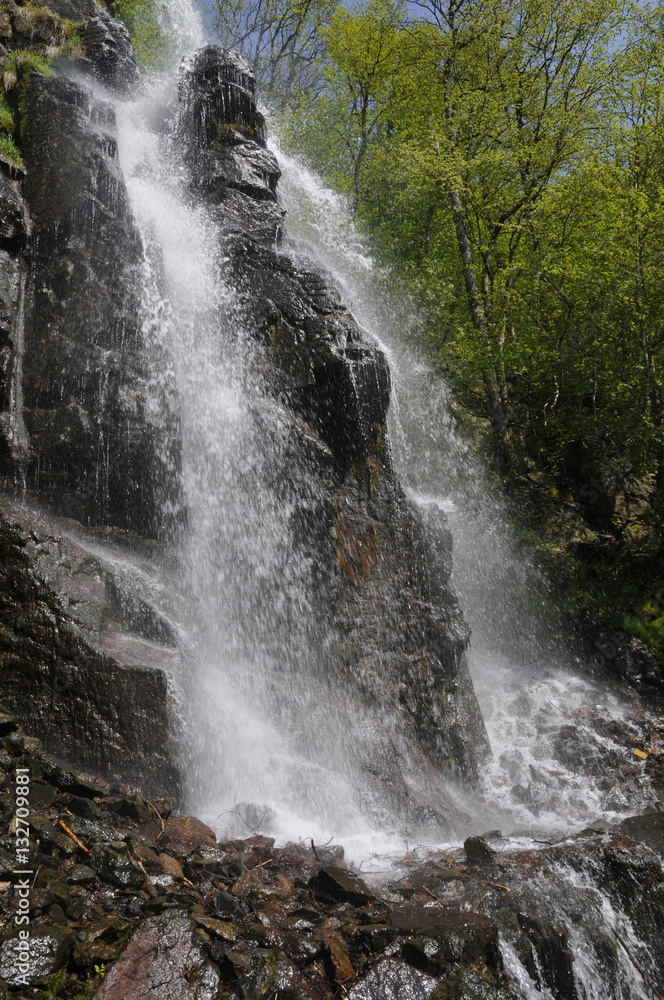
496 408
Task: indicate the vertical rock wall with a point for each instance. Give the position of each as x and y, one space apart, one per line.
88 414
400 636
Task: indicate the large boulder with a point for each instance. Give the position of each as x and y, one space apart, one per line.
163 960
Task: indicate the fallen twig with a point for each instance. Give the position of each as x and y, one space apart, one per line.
497 884
74 837
159 817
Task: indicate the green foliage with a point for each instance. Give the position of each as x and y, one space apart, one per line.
149 28
8 147
6 115
21 62
9 150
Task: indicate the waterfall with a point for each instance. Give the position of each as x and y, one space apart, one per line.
264 743
527 680
253 539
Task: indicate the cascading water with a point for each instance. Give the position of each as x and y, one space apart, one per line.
252 722
527 681
301 607
255 725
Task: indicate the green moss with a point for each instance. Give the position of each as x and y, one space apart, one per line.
55 982
145 30
9 151
6 115
22 61
8 147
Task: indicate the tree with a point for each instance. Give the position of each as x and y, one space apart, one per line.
284 40
473 110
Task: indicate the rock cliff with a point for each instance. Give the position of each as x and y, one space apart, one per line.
127 898
90 427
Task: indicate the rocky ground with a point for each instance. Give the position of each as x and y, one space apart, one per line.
127 900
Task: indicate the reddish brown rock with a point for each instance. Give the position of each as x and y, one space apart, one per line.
393 980
183 833
163 960
337 884
478 851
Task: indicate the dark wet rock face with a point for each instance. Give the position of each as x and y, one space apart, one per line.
49 951
390 979
647 829
163 960
100 445
400 634
109 54
75 664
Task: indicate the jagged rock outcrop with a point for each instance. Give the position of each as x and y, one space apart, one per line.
88 418
400 634
85 416
81 656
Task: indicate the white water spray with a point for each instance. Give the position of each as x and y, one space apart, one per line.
263 745
525 681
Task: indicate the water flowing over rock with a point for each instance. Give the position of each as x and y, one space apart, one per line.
92 422
216 591
401 635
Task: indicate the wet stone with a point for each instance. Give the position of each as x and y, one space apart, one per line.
478 851
440 936
14 744
41 795
89 829
262 972
56 772
55 884
337 884
79 806
185 833
111 863
210 859
163 961
50 948
81 875
51 835
135 807
393 980
648 829
101 943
